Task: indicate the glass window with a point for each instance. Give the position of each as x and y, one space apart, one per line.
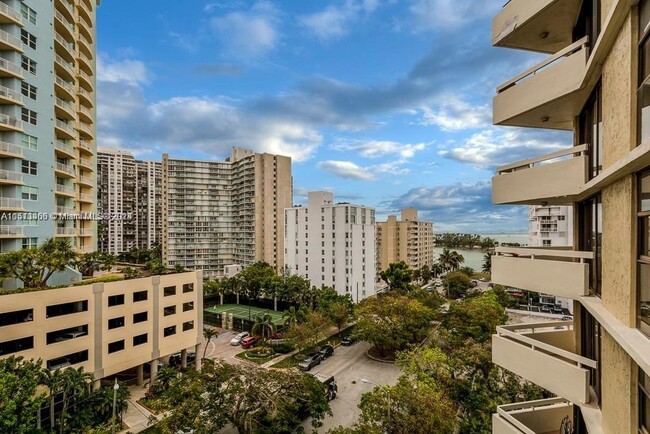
115 323
590 131
140 317
30 243
28 65
29 193
590 238
188 306
169 290
28 90
28 115
16 317
591 347
189 325
28 39
70 359
29 142
643 92
66 308
67 334
16 345
140 339
169 310
140 296
115 300
188 287
643 267
28 13
169 331
116 346
29 167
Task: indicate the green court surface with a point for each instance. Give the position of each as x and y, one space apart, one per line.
240 311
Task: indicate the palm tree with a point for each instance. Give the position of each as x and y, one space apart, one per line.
487 263
445 259
264 324
208 334
292 316
165 375
76 385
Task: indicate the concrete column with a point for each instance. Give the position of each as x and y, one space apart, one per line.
275 303
183 359
154 369
140 375
198 359
221 299
237 298
97 383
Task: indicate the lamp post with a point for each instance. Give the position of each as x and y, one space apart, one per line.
387 390
115 388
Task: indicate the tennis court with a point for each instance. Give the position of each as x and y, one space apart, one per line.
240 311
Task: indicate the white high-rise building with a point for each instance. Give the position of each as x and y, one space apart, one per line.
332 244
550 226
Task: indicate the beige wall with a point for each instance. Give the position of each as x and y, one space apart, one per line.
618 388
408 240
100 362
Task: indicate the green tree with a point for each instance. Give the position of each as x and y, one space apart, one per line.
208 334
431 299
392 322
291 288
503 297
426 274
468 271
338 314
450 260
398 276
308 334
257 278
487 263
21 397
456 284
264 325
88 263
475 318
35 266
156 267
293 316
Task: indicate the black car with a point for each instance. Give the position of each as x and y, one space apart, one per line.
347 341
310 361
175 359
326 352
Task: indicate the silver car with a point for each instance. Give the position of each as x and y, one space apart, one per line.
237 339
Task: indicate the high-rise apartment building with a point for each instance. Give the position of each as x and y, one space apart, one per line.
409 240
593 83
332 244
225 213
129 201
550 226
47 122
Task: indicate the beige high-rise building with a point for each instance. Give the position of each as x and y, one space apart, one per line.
594 84
408 239
225 213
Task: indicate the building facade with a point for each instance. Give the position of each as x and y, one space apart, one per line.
332 244
408 239
550 225
129 200
106 328
47 122
225 213
593 84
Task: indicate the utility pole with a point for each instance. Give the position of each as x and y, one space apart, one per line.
357 292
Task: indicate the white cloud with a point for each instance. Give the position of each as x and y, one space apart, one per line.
130 72
379 148
336 21
453 114
249 33
437 14
350 170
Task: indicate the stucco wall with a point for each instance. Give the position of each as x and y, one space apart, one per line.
618 388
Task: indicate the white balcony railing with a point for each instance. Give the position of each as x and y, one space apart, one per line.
10 39
10 148
65 189
65 85
11 231
11 94
10 12
85 146
10 121
532 417
10 66
65 168
10 203
67 232
10 175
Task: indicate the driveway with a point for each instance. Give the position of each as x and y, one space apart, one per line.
349 366
220 348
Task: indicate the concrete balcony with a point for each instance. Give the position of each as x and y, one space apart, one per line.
63 26
85 146
65 210
11 204
64 68
532 417
85 80
64 170
86 130
65 88
65 48
86 164
85 114
86 232
10 123
10 69
545 355
85 181
10 150
64 109
65 149
9 15
85 47
86 61
67 9
11 232
10 96
86 97
549 178
10 177
64 190
563 273
548 95
65 129
86 198
85 17
10 42
66 232
543 25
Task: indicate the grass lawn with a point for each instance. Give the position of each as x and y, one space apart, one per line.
256 360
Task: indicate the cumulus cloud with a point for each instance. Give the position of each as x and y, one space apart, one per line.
247 34
350 170
497 146
336 21
379 148
454 114
437 14
128 72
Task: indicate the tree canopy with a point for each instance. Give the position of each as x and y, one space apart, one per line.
35 266
456 284
398 276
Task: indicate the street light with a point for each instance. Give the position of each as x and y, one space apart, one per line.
115 388
387 390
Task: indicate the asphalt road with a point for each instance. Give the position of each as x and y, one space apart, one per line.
349 366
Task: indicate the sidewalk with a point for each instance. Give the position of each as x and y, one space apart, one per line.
136 416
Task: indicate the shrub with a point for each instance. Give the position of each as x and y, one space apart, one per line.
260 352
99 280
283 347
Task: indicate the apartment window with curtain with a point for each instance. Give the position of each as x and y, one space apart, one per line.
643 260
590 215
643 91
590 131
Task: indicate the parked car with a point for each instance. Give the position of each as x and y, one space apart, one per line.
347 341
326 352
237 339
175 359
249 342
310 361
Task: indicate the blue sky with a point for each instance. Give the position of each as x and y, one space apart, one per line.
385 102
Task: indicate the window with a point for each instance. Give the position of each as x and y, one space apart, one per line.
28 90
169 331
169 290
66 308
68 360
116 346
115 300
30 243
590 238
28 65
115 323
188 306
169 310
16 317
644 402
546 243
28 39
591 347
13 346
188 287
590 130
140 317
588 22
28 13
643 267
189 325
140 339
29 193
28 115
29 167
29 142
140 296
67 334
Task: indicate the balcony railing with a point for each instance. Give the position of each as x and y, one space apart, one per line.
67 66
10 121
546 95
65 85
65 168
86 163
547 178
66 106
545 355
86 111
86 198
11 40
85 128
11 13
85 146
85 179
65 210
11 149
10 203
11 176
64 189
67 45
67 127
64 147
83 92
10 94
11 231
64 21
533 417
563 273
12 68
67 232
